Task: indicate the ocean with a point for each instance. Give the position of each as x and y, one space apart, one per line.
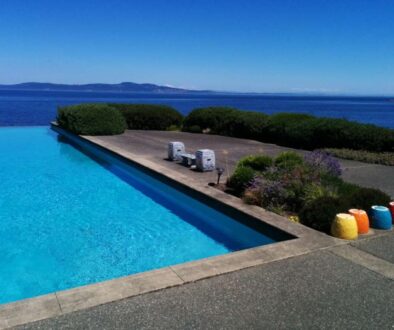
38 108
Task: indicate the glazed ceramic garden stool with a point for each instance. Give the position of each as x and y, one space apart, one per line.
391 207
344 226
380 217
362 220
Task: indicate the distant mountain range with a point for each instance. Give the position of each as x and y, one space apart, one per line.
130 87
124 87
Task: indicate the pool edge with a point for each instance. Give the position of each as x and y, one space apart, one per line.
58 303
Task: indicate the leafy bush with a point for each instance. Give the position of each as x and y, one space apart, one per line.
383 158
240 179
91 119
336 183
295 180
252 197
314 191
256 162
274 195
149 116
320 213
364 198
288 160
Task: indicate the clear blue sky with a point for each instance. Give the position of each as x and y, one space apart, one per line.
341 46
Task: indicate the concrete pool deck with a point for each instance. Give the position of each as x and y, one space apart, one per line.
319 290
264 286
152 145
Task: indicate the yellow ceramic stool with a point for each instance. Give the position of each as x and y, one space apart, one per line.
344 226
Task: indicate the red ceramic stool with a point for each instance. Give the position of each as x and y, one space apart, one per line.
391 207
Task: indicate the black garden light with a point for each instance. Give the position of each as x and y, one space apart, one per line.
220 171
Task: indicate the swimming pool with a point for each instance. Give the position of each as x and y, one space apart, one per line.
73 216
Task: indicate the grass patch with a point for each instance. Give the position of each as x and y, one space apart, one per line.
382 158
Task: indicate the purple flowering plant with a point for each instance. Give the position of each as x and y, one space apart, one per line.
322 161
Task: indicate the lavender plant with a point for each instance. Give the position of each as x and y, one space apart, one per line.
322 161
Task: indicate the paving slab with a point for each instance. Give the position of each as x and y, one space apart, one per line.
381 246
365 259
29 310
315 291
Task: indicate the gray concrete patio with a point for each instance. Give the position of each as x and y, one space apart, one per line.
153 145
320 290
332 286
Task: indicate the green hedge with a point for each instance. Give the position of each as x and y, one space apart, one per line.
293 130
226 121
91 119
149 116
309 132
208 118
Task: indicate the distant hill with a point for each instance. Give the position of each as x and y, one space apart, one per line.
129 87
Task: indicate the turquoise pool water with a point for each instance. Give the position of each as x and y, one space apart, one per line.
68 219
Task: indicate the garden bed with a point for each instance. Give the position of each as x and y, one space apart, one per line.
305 189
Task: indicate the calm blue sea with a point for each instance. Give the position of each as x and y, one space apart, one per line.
25 108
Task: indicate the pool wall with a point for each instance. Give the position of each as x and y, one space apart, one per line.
294 240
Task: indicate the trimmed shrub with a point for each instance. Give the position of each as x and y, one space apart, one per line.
245 124
173 128
91 119
240 180
149 116
289 129
256 162
320 213
309 132
364 198
212 118
195 129
288 160
292 129
227 121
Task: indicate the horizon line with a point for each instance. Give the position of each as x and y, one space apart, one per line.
308 91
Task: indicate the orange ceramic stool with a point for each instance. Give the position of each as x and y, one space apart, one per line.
362 220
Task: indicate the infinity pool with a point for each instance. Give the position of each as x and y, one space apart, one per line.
70 218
